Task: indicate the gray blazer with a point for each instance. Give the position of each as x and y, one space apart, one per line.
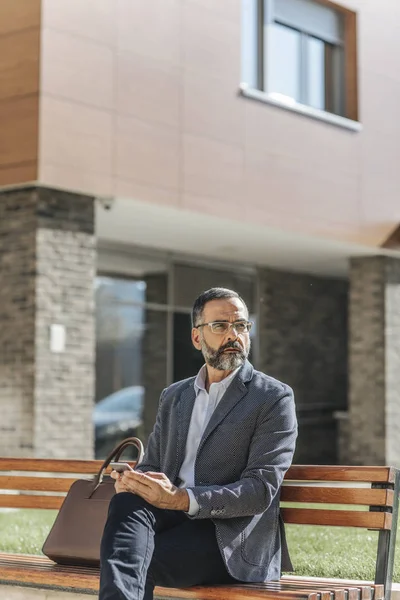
242 458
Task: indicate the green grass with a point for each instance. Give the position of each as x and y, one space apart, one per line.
315 551
24 531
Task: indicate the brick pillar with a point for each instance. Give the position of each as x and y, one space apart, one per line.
47 258
303 342
374 365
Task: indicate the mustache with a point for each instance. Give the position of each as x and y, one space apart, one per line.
234 345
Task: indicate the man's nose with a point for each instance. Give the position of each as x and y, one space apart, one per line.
232 334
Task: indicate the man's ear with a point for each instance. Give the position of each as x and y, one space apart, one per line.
196 338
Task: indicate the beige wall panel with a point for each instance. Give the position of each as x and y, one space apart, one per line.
226 9
74 135
381 101
19 14
273 130
211 44
126 188
150 28
76 180
77 69
295 187
147 153
19 63
213 169
211 108
148 89
19 130
379 41
92 19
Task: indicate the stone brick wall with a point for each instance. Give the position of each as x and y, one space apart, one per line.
17 322
47 240
303 341
374 345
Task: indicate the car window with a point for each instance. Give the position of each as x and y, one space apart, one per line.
124 400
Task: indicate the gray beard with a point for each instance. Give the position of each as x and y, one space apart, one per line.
223 362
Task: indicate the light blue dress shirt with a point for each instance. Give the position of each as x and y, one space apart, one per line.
204 406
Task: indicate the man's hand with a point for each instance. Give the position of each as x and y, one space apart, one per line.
155 488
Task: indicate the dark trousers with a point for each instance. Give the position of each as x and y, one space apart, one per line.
144 546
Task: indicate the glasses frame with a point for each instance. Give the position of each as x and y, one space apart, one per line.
231 326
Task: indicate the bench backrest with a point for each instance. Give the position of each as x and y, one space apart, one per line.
42 483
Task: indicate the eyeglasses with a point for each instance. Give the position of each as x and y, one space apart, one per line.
222 327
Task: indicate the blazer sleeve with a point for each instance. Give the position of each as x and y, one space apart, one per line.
152 456
270 455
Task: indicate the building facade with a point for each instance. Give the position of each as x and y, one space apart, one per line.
150 149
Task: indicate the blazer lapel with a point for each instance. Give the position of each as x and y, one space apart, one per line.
235 392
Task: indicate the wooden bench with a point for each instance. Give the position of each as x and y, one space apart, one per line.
374 489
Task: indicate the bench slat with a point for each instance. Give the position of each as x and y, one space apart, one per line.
341 518
340 473
30 501
377 589
39 570
43 465
362 496
36 484
47 574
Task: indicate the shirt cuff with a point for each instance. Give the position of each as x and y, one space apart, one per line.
193 504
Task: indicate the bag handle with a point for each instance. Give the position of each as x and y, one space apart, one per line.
116 453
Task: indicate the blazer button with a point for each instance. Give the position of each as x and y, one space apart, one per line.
213 513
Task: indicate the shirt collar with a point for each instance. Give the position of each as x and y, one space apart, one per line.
200 381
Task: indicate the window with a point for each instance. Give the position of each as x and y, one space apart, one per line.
301 52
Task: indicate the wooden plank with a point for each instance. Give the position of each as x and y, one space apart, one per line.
361 496
35 484
19 63
295 473
18 173
44 465
340 473
351 71
19 125
16 16
377 589
47 574
340 518
39 570
30 501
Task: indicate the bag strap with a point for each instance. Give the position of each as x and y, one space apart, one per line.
116 453
124 445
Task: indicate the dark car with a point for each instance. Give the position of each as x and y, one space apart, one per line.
116 417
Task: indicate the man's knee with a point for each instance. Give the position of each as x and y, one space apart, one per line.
126 502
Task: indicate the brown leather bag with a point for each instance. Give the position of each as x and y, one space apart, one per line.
76 534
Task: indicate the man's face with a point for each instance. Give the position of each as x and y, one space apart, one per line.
228 351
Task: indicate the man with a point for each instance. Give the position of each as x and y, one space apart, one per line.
203 506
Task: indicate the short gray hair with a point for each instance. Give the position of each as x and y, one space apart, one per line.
216 293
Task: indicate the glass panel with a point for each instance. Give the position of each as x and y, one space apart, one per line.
131 346
315 57
187 360
190 281
284 61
